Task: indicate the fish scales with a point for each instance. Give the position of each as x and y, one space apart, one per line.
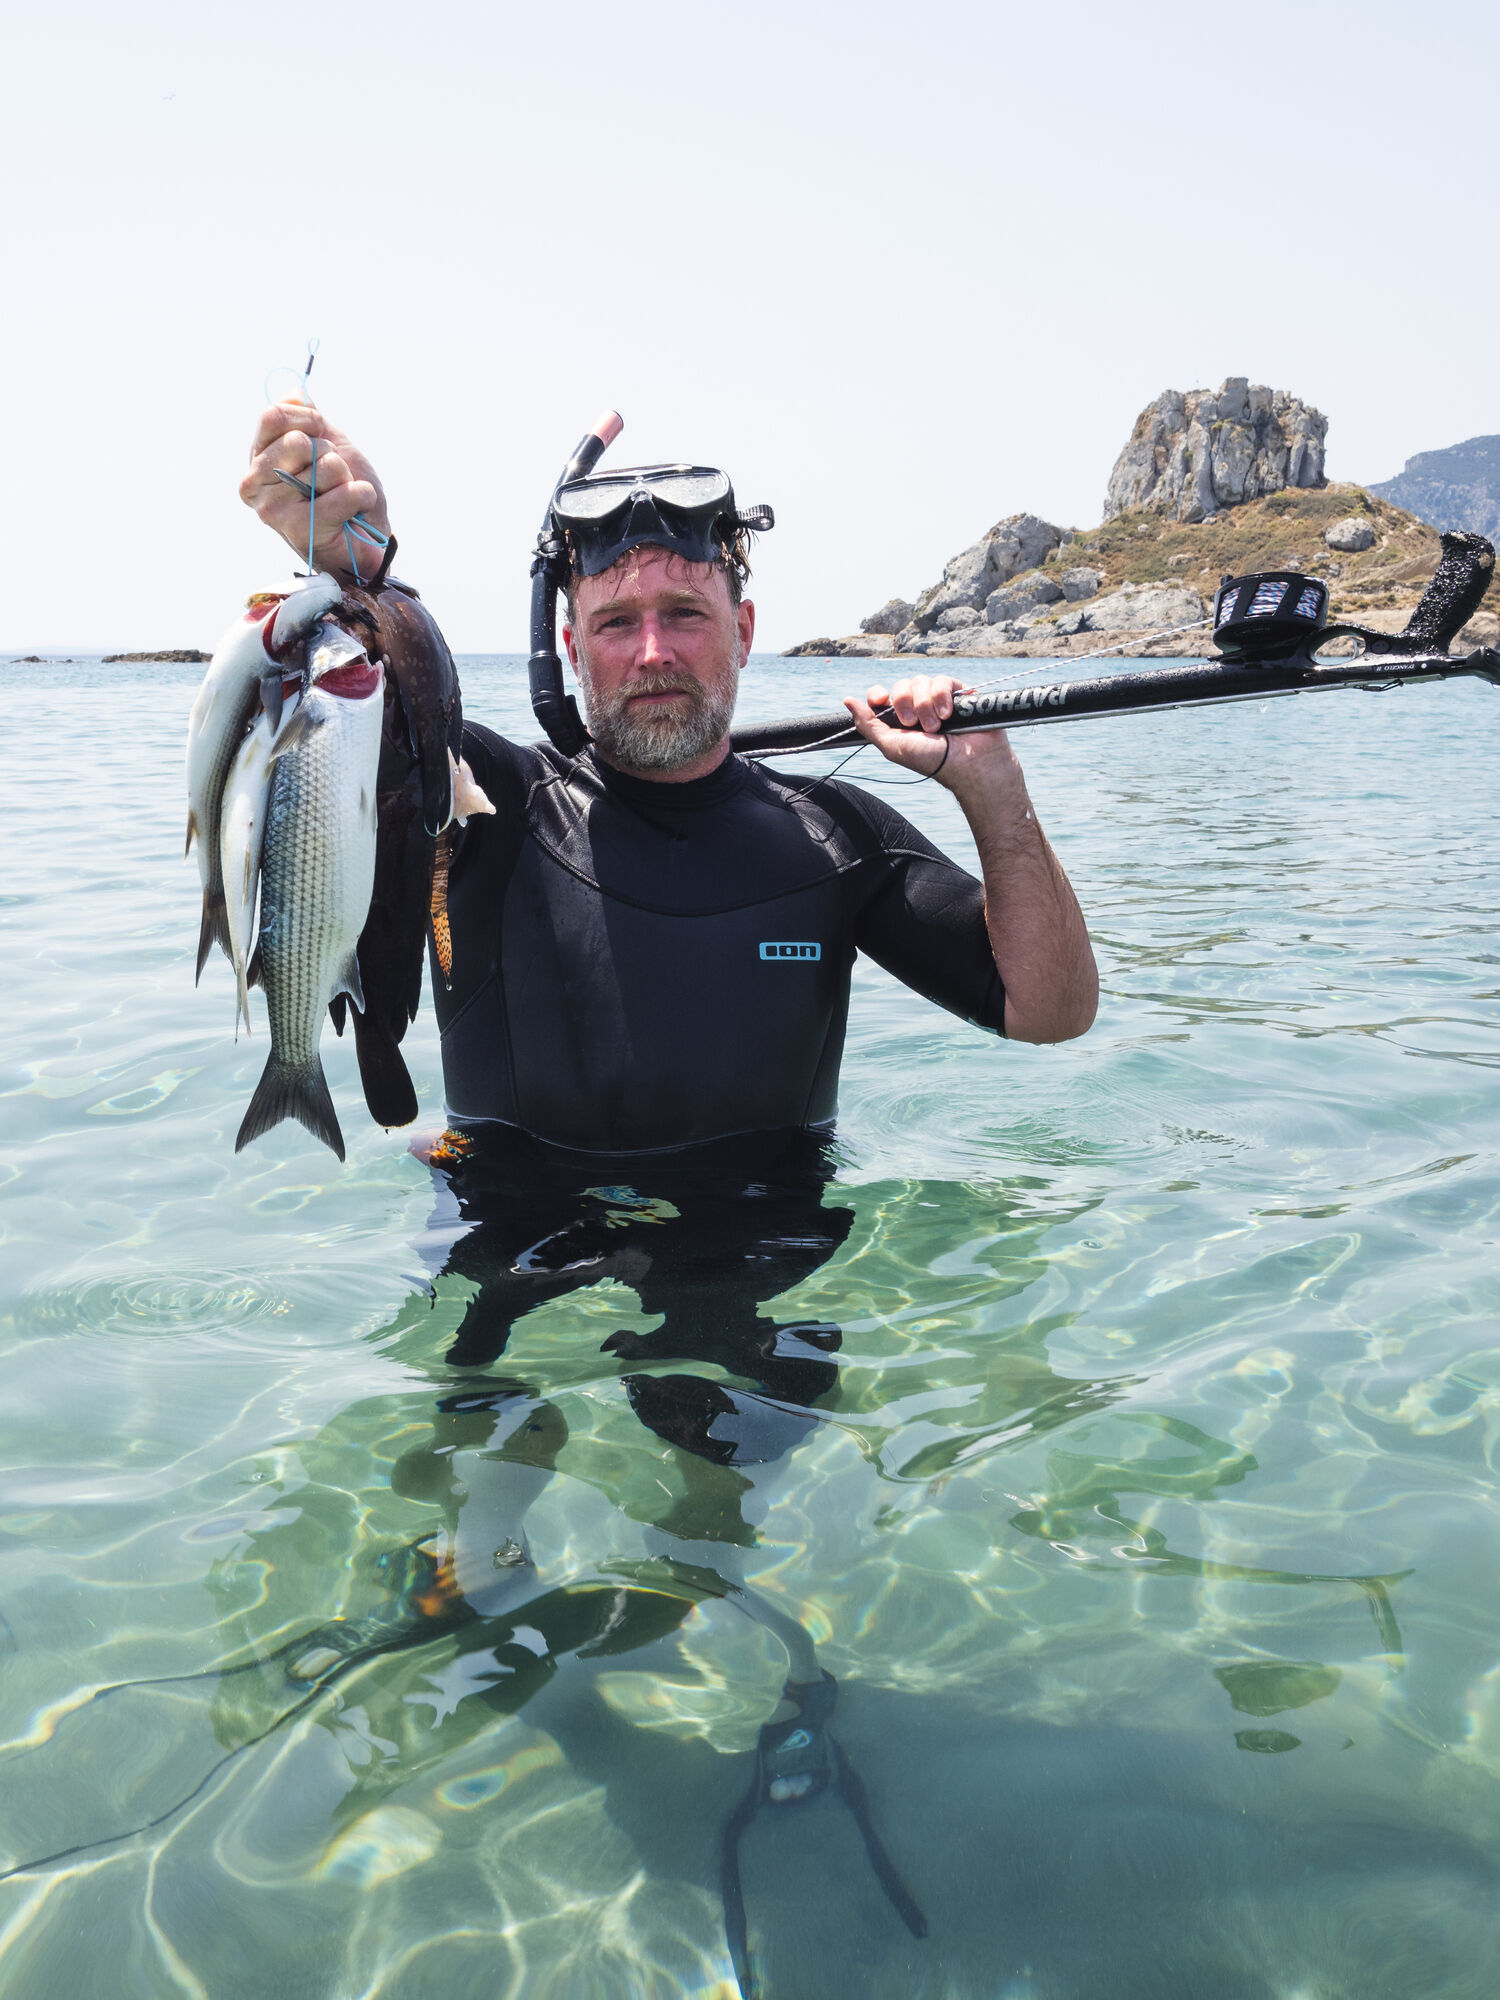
317 874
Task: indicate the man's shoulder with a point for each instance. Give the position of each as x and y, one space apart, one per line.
491 755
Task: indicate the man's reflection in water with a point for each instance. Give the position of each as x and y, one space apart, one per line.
705 1239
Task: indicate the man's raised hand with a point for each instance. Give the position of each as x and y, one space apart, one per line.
347 484
922 704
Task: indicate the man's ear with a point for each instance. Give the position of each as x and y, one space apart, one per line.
745 621
572 648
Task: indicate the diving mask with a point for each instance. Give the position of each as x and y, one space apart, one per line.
689 509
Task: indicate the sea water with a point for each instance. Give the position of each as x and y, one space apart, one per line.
1150 1530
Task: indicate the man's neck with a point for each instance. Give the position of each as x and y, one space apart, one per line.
682 774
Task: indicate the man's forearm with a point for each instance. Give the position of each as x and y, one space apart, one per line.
1037 933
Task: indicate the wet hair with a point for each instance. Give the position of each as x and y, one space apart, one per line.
733 559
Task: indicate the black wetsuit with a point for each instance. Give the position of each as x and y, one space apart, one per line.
640 965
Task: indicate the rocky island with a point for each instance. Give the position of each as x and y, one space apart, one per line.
1209 481
182 656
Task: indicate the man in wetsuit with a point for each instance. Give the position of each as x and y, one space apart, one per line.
622 974
653 942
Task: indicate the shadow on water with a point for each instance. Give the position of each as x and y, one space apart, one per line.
564 1631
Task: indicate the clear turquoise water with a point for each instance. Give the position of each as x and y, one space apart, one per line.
1151 1531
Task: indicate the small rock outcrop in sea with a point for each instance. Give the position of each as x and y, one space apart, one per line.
184 656
1192 453
1455 488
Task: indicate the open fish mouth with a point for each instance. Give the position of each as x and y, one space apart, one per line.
354 680
340 664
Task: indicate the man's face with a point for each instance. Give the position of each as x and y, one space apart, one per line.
658 645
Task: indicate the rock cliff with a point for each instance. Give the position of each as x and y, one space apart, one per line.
1456 488
1192 454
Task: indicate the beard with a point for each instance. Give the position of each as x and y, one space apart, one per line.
660 739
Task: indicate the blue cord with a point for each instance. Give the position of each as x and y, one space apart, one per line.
358 526
312 506
368 534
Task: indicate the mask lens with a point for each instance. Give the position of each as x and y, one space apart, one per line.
690 489
586 502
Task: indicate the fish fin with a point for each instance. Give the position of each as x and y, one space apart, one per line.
338 1011
271 698
241 1001
213 930
284 1092
469 796
192 833
302 724
389 1092
349 981
255 971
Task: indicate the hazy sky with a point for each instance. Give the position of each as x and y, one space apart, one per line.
901 269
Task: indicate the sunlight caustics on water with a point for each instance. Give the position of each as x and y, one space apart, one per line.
1149 1526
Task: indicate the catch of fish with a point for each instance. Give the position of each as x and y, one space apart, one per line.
324 772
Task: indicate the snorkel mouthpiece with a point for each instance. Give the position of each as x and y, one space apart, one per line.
608 428
592 446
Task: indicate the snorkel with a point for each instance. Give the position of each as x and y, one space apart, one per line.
551 704
591 523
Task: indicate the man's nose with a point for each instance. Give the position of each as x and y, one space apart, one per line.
655 648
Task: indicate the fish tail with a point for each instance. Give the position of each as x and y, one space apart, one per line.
213 930
389 1091
285 1091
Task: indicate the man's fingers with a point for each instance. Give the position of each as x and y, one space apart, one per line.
294 453
279 418
924 702
861 708
330 476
